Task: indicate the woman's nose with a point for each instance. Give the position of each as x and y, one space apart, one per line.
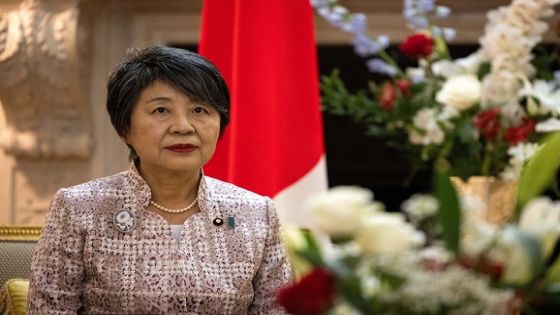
182 125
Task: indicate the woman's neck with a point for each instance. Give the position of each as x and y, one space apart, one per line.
171 189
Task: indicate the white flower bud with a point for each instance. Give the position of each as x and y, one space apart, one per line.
340 211
461 92
541 218
387 233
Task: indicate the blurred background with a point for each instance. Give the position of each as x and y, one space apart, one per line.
55 56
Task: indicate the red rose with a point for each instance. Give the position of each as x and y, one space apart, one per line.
484 265
387 96
417 45
404 86
312 294
514 135
490 267
488 123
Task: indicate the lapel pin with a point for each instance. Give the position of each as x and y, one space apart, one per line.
231 222
218 221
124 221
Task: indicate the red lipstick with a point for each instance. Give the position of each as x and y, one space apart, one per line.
182 148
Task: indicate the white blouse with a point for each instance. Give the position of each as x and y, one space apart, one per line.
176 231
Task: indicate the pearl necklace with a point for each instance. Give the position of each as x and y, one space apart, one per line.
187 208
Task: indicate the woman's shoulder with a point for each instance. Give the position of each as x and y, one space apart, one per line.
80 203
98 186
226 191
257 210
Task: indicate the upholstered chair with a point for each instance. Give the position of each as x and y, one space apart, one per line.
16 249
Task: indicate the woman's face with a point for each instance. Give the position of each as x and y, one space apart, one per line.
169 131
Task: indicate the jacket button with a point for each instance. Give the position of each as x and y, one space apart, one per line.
218 221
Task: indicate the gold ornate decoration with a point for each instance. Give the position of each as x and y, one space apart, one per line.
497 195
19 233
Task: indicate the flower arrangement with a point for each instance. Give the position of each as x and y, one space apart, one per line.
436 257
483 114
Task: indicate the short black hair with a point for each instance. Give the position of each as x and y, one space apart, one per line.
188 72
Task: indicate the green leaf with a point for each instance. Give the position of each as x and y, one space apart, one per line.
449 212
540 170
374 89
441 48
294 238
311 251
551 298
465 131
393 279
483 70
554 288
553 272
351 289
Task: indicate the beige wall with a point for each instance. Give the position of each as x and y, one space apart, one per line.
105 29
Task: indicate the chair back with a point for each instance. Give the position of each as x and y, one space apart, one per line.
17 244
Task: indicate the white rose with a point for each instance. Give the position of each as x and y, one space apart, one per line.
446 68
420 207
471 63
436 253
510 251
343 308
416 75
339 211
511 172
522 152
426 121
415 137
549 125
460 92
387 233
434 135
424 118
370 285
294 237
541 218
547 93
446 114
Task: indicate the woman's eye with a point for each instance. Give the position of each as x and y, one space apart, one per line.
160 110
200 110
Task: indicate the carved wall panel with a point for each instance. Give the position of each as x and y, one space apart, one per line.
34 183
42 90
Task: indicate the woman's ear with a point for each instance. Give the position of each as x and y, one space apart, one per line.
133 156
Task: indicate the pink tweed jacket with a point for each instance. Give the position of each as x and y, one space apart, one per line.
84 264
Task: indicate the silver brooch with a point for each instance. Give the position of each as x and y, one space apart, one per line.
124 221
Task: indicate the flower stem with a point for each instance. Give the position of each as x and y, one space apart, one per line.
388 59
487 160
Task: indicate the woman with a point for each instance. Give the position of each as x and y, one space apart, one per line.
161 237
